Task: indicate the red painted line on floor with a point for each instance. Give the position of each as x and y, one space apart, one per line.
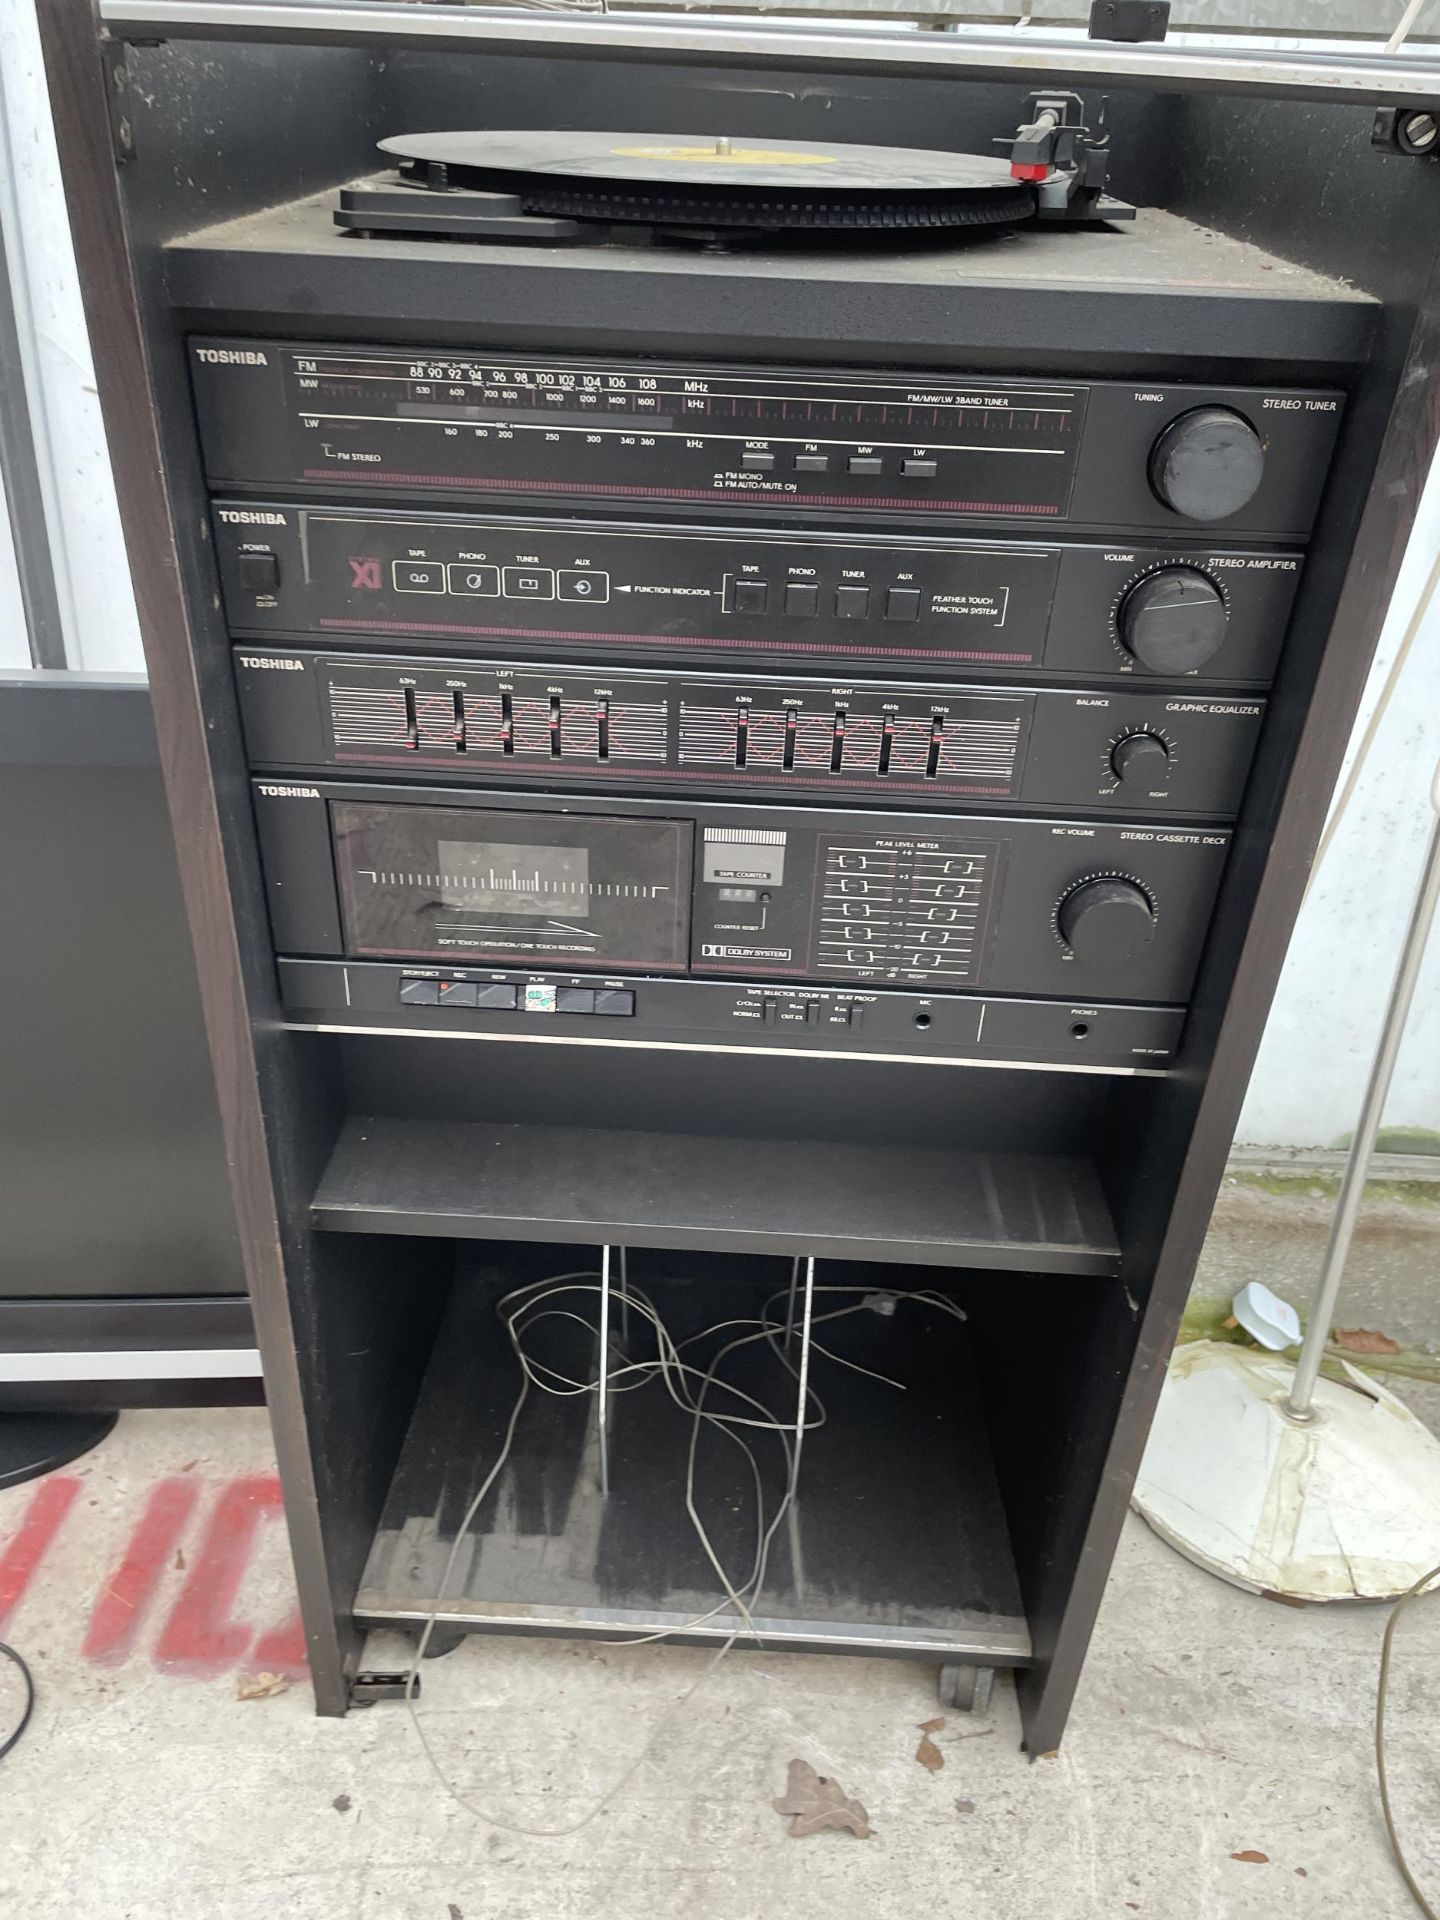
283 1650
200 1637
49 1504
129 1593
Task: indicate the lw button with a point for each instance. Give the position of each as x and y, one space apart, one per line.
919 469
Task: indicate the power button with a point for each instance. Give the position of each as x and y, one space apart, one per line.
258 572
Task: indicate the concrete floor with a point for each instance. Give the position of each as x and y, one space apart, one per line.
1209 1723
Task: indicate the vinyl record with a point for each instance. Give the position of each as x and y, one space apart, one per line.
682 160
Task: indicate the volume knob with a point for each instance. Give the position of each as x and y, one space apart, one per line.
1207 464
1173 621
1106 921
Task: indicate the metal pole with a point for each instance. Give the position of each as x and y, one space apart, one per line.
790 1302
1357 1167
804 1377
604 1369
21 448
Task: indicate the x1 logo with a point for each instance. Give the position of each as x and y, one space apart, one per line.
365 573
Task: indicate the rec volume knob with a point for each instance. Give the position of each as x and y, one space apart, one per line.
1105 921
1174 620
1207 464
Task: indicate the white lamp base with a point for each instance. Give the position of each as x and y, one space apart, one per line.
1345 1506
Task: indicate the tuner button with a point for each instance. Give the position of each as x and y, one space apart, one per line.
1207 464
1106 922
1173 621
1140 759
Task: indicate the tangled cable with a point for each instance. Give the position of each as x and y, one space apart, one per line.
690 1387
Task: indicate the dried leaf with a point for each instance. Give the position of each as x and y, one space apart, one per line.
178 1563
928 1754
260 1686
815 1803
1252 1858
931 1726
1364 1340
964 1806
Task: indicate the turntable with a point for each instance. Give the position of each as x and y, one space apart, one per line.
721 192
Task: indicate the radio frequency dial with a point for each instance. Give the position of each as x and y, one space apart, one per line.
1208 463
1105 921
1140 759
1173 621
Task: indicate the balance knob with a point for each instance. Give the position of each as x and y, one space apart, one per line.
1207 464
1173 621
1106 922
1140 760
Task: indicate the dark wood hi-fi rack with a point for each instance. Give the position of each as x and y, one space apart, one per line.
385 1187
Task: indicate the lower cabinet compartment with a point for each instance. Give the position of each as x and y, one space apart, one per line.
882 1529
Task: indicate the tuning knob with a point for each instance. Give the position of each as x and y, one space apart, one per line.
1207 464
1140 760
1106 921
1173 621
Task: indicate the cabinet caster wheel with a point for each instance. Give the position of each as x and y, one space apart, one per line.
442 1641
965 1688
